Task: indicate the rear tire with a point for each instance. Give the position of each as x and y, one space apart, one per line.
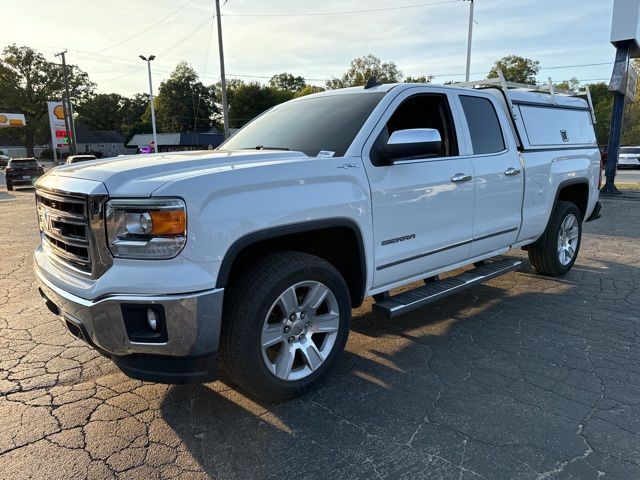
9 186
557 250
285 321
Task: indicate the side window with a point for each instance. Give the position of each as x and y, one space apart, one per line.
422 111
484 126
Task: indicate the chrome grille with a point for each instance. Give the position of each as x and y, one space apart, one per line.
65 229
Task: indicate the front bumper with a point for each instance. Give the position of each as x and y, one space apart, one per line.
187 353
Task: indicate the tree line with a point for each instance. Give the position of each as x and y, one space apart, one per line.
185 104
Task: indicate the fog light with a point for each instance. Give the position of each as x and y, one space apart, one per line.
152 320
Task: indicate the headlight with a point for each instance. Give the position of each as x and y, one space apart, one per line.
141 228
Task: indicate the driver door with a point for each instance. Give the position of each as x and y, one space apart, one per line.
422 206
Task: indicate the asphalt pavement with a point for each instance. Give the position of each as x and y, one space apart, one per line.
628 176
525 377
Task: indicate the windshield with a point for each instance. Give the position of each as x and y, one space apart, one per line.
633 150
324 123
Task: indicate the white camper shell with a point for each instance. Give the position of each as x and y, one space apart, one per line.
543 117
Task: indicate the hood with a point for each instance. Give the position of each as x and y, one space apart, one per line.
140 175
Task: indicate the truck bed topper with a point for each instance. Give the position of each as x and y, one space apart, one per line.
530 108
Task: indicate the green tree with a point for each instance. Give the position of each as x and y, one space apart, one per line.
103 111
112 111
133 115
573 84
287 81
420 79
248 100
183 102
516 69
602 104
308 90
28 81
362 68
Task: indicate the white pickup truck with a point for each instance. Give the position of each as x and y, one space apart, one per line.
255 253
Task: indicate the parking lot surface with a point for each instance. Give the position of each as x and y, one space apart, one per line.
525 377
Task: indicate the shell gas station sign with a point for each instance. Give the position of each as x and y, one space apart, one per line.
57 125
12 120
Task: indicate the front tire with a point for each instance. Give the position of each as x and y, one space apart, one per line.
286 319
9 187
557 250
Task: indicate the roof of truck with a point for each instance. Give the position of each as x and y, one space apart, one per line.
518 95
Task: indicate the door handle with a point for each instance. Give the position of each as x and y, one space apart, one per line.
512 172
461 177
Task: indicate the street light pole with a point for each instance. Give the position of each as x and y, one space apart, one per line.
223 81
469 38
153 112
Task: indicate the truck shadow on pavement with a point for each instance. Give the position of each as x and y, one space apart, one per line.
514 380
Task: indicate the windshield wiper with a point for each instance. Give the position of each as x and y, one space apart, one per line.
262 147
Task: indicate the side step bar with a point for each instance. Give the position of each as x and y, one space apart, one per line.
406 301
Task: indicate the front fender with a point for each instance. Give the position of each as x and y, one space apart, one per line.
224 207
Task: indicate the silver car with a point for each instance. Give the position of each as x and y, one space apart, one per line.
629 157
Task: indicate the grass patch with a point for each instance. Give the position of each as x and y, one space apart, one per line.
628 186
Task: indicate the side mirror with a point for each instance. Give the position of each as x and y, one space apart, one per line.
409 143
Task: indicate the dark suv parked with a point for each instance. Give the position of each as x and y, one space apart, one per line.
22 171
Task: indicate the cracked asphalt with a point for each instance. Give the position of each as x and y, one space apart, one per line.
525 377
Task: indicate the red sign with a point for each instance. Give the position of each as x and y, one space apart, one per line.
61 138
62 134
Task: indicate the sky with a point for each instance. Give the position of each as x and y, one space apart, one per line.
313 39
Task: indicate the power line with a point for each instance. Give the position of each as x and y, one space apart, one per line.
575 66
204 70
144 30
185 38
164 52
559 67
346 12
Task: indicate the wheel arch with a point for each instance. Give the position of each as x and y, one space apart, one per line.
349 260
576 191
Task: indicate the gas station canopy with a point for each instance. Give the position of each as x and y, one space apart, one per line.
12 120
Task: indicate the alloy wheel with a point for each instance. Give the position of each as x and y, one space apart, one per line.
300 330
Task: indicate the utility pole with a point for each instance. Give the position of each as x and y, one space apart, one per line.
153 111
66 104
469 38
223 81
73 128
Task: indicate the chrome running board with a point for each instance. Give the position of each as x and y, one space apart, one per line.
418 297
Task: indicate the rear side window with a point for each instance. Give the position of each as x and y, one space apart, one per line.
484 126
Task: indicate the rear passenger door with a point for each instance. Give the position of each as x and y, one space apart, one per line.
422 207
499 175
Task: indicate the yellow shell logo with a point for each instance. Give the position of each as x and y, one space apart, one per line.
58 111
3 119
